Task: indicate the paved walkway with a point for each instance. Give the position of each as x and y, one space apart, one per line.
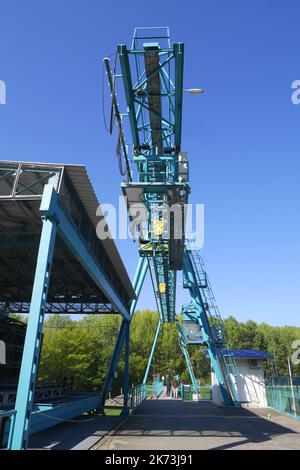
76 434
172 424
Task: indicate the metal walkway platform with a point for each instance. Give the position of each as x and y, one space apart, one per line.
174 424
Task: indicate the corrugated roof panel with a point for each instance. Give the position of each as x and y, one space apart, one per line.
82 184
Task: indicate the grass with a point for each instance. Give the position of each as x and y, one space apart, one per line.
112 411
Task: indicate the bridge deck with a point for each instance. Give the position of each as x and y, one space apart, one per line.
173 424
80 433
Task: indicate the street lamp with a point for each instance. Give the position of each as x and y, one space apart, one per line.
194 91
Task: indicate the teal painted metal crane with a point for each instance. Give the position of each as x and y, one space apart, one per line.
156 190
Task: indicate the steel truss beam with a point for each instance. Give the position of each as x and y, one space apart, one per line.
70 308
13 174
166 281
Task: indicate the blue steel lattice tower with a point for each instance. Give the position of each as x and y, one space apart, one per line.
156 190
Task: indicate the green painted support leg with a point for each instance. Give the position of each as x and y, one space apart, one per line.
31 352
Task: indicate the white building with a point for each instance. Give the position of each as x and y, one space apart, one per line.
250 381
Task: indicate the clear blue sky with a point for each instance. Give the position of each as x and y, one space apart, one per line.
242 135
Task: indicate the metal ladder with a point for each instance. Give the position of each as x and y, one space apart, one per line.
216 322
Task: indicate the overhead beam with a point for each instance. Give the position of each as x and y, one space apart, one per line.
154 94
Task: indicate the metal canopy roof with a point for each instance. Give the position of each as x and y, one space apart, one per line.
21 188
80 179
243 353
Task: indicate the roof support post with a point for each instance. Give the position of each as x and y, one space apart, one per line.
32 347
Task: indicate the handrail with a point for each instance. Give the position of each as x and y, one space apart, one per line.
137 395
187 391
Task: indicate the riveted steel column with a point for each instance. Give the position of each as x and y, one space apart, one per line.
32 346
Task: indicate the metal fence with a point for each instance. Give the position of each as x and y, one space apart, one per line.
137 394
158 388
283 394
155 389
188 392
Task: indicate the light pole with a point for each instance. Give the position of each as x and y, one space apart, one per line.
292 385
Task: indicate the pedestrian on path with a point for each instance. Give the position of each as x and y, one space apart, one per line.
168 384
175 387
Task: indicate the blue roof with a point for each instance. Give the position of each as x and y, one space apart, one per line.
244 353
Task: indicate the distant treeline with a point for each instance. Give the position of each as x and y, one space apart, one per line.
82 349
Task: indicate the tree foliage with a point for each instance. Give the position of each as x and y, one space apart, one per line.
82 349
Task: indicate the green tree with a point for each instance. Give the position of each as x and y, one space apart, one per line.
83 348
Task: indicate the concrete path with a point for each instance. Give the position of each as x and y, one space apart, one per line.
80 433
168 424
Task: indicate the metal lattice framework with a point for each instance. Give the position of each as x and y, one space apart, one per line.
68 308
157 188
152 74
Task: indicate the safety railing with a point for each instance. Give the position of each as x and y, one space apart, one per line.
137 395
157 388
284 398
6 416
188 392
